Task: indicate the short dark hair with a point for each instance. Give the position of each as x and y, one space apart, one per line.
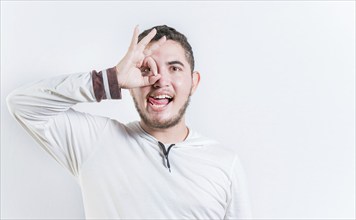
172 34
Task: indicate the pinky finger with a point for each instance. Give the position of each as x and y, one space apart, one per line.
134 39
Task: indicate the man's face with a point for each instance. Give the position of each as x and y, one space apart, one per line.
163 104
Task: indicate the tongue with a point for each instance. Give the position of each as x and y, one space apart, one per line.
158 101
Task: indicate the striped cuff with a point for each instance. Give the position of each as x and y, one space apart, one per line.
105 84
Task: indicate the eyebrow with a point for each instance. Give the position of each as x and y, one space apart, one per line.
175 62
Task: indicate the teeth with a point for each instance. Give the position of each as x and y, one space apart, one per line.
158 106
162 97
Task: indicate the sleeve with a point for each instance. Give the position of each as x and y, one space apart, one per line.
44 110
239 203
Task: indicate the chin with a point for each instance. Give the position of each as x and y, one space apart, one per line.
156 119
161 123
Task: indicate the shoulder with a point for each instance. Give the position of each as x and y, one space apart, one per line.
222 150
215 150
92 120
225 153
214 146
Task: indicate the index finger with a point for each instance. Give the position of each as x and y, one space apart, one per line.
152 65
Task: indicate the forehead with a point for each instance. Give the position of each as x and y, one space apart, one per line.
170 50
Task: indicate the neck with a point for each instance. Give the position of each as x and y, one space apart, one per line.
170 135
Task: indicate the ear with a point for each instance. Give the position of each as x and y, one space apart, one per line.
196 80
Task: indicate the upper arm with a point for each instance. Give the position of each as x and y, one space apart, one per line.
239 204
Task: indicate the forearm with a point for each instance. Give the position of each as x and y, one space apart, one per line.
42 100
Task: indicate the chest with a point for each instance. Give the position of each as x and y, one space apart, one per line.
136 176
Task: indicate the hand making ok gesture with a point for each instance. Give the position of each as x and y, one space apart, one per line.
137 68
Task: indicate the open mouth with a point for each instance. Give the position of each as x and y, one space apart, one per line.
159 101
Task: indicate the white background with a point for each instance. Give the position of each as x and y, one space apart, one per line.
277 85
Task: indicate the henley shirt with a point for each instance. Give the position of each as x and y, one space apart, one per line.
121 169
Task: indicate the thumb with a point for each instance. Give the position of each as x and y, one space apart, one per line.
152 79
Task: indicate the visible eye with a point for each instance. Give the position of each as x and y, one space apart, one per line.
145 70
175 68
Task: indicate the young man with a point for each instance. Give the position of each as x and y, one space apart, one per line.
157 168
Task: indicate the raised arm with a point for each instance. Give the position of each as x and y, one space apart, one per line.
44 108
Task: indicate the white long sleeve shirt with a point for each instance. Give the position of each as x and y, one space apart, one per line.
121 169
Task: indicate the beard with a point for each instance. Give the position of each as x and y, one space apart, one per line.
155 123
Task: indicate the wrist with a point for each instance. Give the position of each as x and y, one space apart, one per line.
113 83
105 84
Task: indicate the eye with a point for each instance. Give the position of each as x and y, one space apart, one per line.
176 68
145 70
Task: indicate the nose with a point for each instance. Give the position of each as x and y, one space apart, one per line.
165 79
